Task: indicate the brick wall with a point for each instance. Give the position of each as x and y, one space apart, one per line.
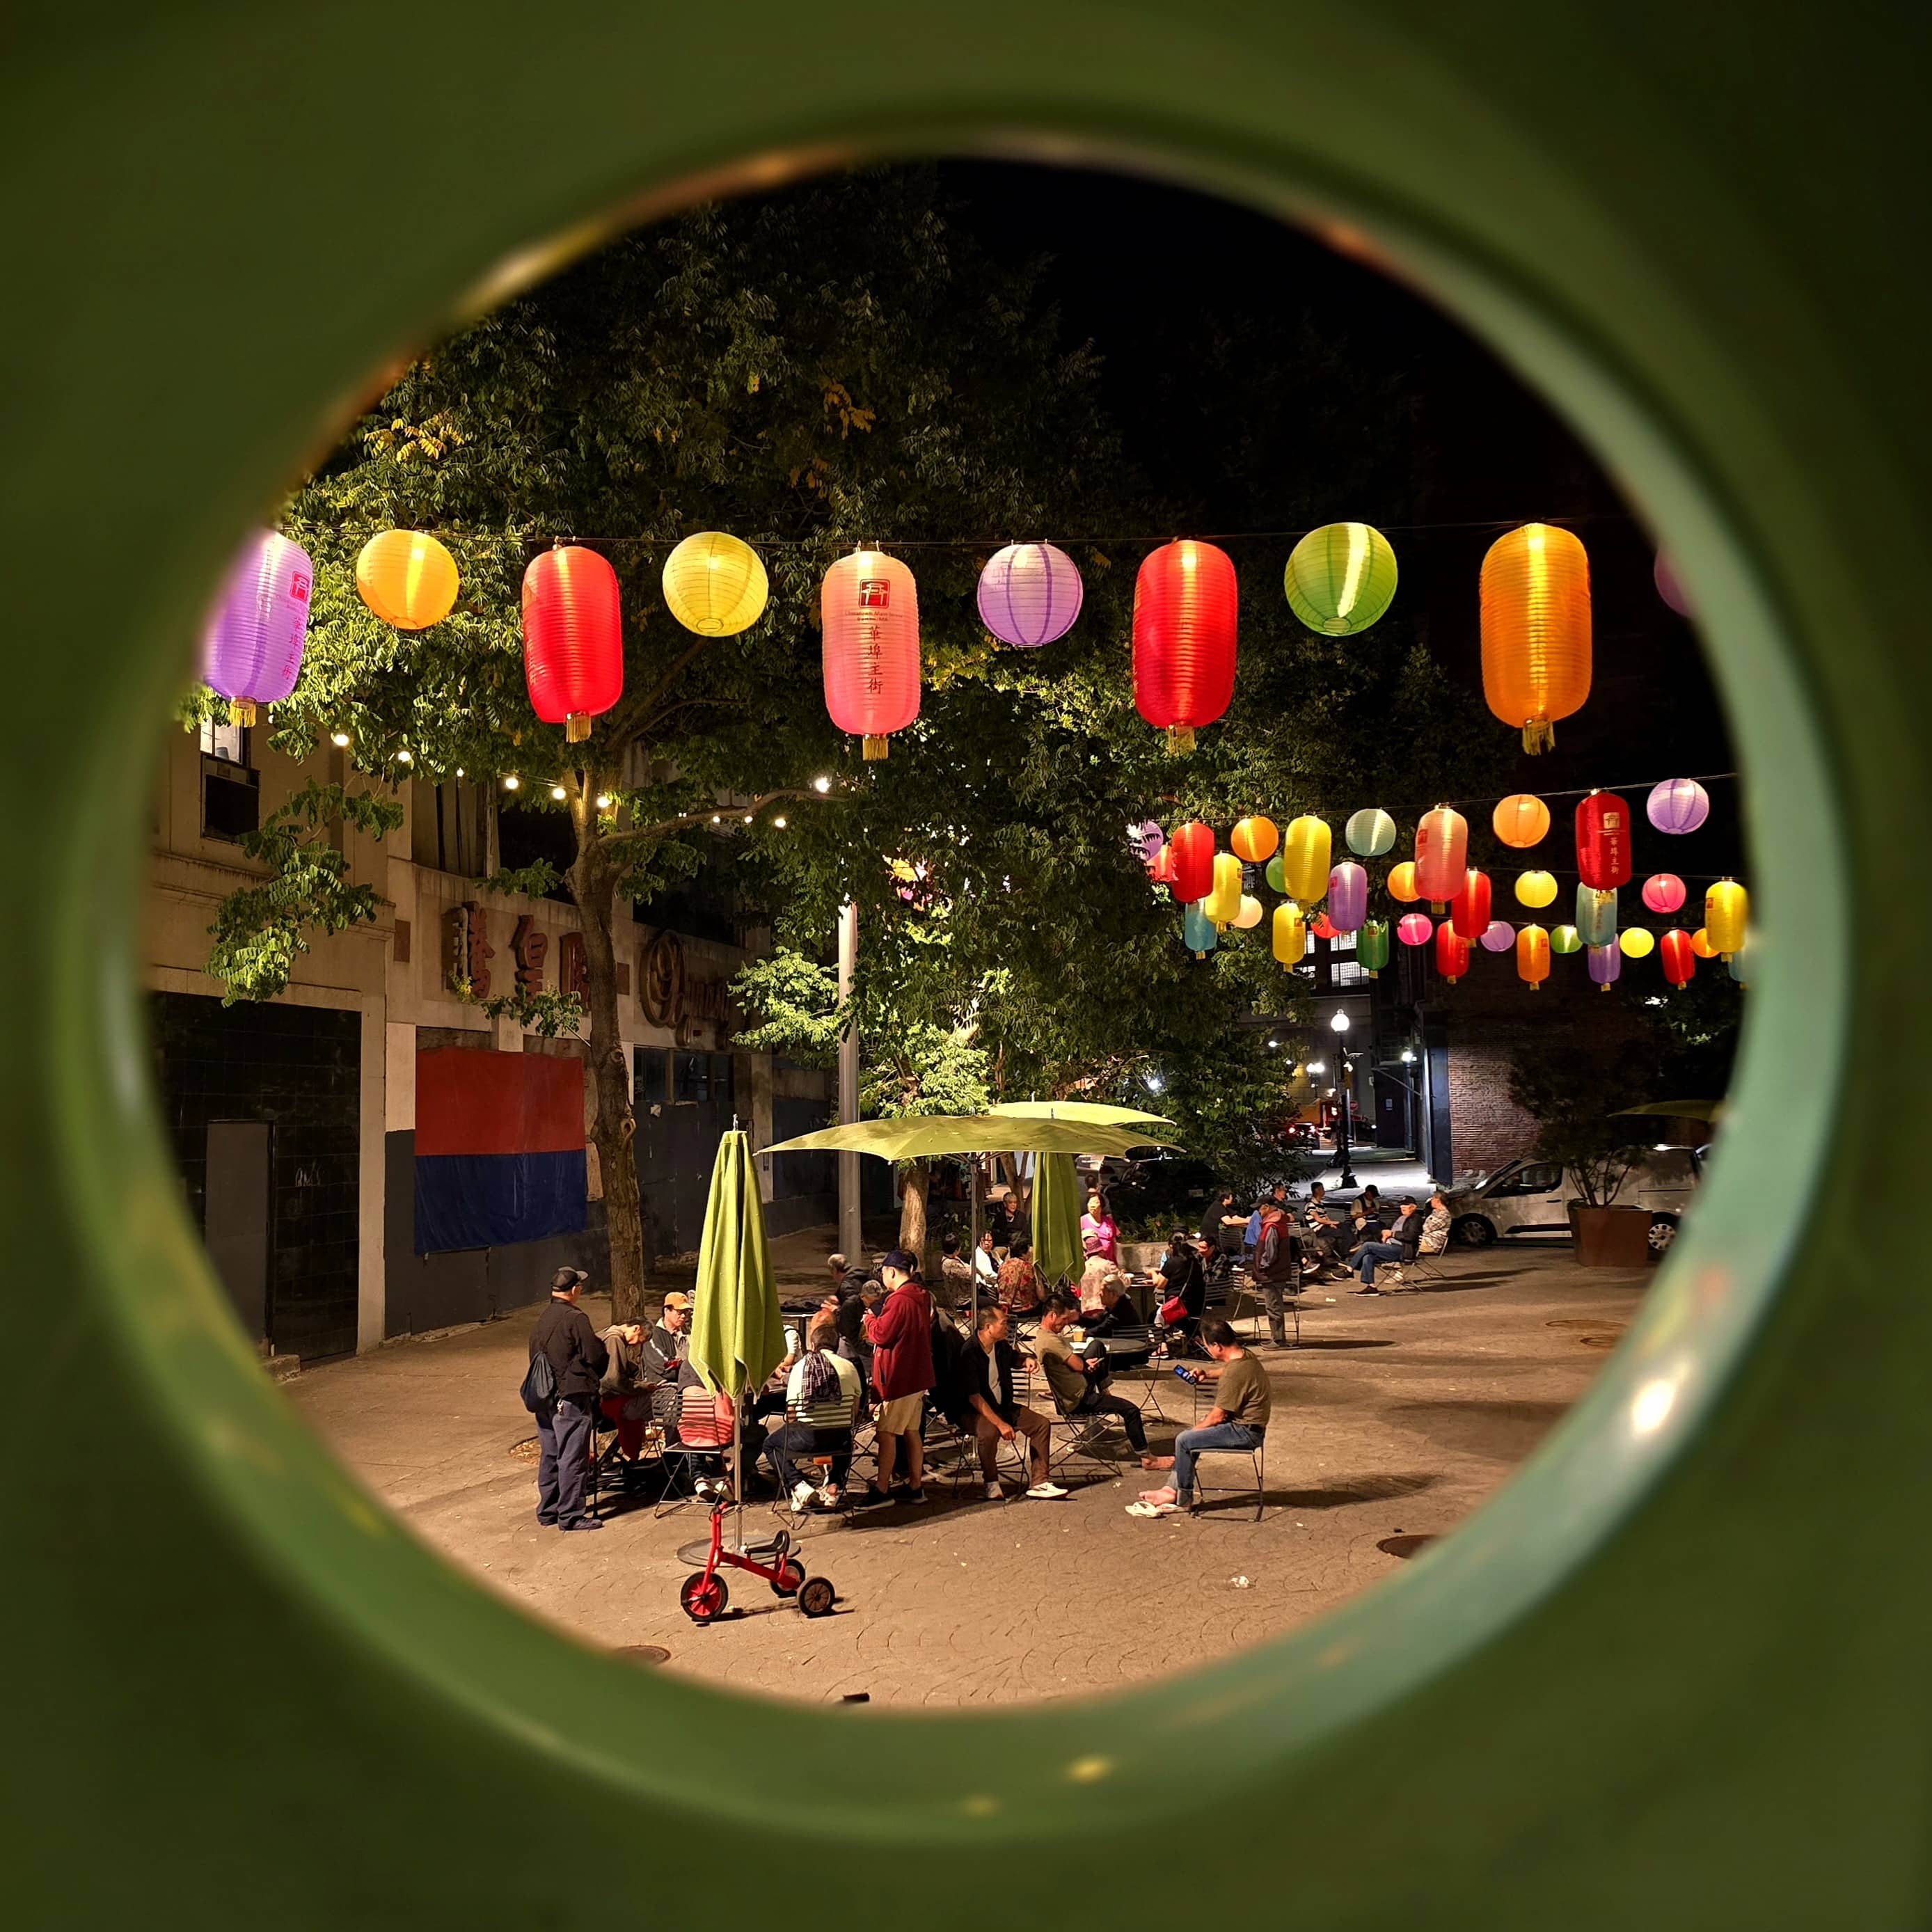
1487 1127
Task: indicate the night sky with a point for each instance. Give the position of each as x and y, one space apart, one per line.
1151 274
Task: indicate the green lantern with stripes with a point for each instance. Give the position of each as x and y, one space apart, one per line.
1341 578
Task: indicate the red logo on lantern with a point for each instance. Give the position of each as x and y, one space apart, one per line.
875 593
298 588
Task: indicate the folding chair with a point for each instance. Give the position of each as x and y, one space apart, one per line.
1429 1267
706 1423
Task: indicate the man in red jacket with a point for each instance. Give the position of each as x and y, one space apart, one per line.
901 1333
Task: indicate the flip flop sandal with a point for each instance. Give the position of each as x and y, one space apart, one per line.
1153 1509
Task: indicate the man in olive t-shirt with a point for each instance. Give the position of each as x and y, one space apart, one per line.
1243 1399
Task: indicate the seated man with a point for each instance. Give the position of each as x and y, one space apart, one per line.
1375 1248
1076 1378
1325 1232
986 1266
1239 1419
1105 1305
997 1417
863 1293
822 1397
1436 1229
1406 1230
664 1352
1019 1281
956 1276
625 1394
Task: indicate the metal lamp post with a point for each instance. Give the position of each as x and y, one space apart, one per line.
1340 1025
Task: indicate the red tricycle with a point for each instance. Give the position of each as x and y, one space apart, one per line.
704 1596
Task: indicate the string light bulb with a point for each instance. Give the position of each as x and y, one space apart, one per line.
558 792
779 823
510 783
339 738
404 758
603 801
821 785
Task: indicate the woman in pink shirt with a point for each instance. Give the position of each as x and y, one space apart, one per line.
1098 1235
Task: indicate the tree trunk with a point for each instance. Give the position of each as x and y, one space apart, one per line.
912 1209
593 879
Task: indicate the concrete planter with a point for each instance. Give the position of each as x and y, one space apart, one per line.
1611 1236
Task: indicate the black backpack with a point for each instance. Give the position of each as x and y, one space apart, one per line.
539 1385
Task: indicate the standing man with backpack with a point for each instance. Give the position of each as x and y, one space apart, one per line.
560 1389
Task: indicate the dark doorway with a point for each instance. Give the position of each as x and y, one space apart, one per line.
238 1210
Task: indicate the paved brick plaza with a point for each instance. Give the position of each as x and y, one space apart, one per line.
1397 1417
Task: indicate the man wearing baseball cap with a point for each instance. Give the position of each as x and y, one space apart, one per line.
566 1422
900 1334
665 1352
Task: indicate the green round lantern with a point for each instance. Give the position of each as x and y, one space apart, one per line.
1565 939
1341 578
1372 946
1276 878
1370 833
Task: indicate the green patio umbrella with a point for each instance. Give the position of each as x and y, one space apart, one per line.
1058 1252
929 1136
1095 1113
737 1334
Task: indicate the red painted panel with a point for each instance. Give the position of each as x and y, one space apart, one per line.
469 1101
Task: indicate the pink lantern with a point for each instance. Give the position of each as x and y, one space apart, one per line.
869 611
1441 855
1668 587
1029 594
1499 936
1663 892
252 653
1415 928
1678 806
1348 897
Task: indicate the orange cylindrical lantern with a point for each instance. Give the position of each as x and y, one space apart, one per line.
1701 947
1521 819
573 638
868 606
1441 854
1532 956
1192 846
1603 841
1469 909
1184 616
1679 957
1401 886
1536 630
1452 952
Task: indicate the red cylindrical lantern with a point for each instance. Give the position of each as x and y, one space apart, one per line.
1603 841
1192 846
1679 957
1323 927
573 638
1161 870
1469 910
1452 952
1441 855
869 607
1184 614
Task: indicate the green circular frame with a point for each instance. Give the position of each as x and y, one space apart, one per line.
1671 1676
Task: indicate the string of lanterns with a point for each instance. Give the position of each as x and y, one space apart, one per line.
1209 885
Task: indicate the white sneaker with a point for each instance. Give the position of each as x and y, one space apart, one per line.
802 1494
995 1494
828 1497
1045 1493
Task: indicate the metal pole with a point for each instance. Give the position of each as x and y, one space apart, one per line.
1347 1179
973 1189
851 1234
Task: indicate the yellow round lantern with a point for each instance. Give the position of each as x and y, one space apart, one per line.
1402 884
1291 933
1254 840
1249 915
1520 820
1304 859
407 578
1636 942
1727 907
1700 944
1224 896
715 584
1535 889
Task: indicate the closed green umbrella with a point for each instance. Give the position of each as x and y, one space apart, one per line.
1058 1252
737 1332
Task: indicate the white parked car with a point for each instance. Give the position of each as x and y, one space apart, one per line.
1529 1200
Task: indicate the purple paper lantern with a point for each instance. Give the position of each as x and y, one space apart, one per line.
1678 804
1029 594
1499 936
1606 963
253 651
1348 897
1668 587
1147 838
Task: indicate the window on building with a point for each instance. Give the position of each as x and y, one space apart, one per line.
228 742
724 1084
649 1076
1344 969
449 828
693 1080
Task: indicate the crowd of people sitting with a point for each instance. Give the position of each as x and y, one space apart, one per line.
884 1347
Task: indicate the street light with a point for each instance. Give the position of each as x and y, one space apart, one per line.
1339 1026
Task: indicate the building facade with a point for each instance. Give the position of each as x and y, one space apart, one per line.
295 1121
